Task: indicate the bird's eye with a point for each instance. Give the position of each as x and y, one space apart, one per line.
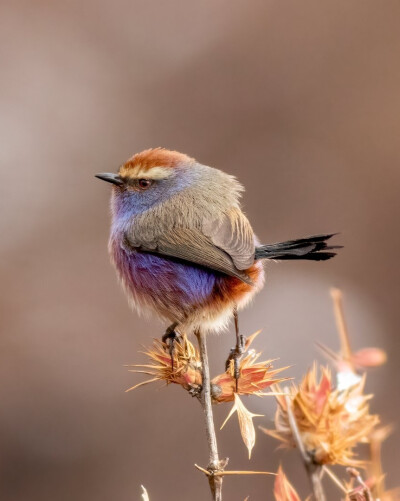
144 183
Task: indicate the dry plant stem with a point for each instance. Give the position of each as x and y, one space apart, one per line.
215 464
313 470
334 479
341 323
366 492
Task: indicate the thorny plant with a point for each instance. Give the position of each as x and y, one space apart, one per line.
325 417
330 422
186 370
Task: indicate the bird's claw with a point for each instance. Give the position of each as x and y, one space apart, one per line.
236 354
170 338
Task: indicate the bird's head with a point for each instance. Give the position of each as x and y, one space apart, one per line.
148 178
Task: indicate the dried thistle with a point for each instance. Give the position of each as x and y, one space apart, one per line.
255 376
184 369
330 422
283 489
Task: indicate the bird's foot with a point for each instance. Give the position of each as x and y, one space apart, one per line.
236 354
170 338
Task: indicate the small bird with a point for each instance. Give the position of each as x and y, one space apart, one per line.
182 247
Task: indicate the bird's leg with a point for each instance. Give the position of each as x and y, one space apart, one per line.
236 352
171 337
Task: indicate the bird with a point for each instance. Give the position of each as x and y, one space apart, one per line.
184 250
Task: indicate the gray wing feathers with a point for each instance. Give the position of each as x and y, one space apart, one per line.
189 245
233 233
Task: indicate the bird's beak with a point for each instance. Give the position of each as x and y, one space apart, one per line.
110 178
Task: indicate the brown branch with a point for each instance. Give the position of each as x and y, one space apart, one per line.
313 470
215 466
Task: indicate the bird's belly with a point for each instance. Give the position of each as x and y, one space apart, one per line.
172 288
181 292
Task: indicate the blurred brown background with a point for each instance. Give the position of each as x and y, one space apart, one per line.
301 101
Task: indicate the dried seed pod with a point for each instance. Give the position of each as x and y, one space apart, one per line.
330 422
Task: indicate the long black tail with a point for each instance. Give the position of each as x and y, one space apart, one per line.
313 248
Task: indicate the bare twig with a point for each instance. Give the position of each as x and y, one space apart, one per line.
313 470
215 466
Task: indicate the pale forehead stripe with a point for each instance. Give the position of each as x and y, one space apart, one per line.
138 172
